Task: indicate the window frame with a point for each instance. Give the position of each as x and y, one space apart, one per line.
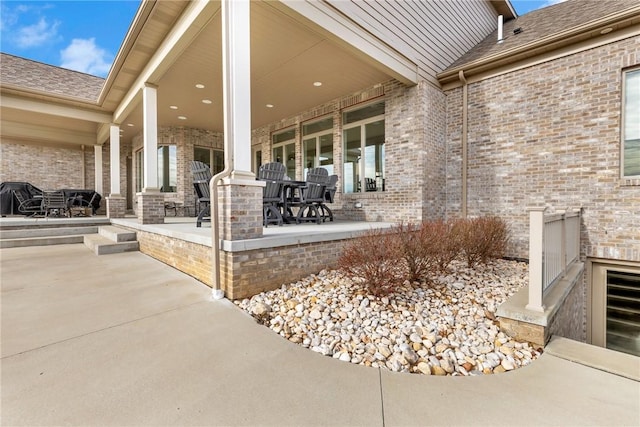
139 165
362 123
624 118
284 144
316 136
212 154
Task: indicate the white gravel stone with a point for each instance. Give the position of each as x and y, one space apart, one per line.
445 327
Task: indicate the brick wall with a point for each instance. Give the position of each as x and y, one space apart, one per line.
244 273
190 258
255 271
47 167
570 321
549 135
414 152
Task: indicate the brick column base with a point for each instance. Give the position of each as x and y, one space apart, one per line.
150 208
240 208
116 206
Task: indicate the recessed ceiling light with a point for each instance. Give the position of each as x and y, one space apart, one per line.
606 30
130 124
200 86
173 107
269 105
207 101
182 118
317 84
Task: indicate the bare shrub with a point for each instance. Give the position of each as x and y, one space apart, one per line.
416 248
374 257
481 239
443 242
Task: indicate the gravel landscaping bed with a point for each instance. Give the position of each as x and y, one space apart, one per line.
445 327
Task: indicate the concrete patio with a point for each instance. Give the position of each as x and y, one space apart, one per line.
126 340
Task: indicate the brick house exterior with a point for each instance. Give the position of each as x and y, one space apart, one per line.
539 114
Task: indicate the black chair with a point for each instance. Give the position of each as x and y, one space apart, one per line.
370 184
272 195
329 195
55 203
312 195
201 174
29 207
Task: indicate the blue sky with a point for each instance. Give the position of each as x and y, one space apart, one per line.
85 35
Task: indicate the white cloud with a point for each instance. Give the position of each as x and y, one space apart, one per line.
37 34
83 55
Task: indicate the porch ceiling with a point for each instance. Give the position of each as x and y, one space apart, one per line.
286 59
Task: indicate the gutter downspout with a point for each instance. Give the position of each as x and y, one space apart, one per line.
228 100
216 289
465 159
84 169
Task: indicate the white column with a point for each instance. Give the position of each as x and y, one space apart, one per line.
236 54
150 138
114 157
97 150
536 246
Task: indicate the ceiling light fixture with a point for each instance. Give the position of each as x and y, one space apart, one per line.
606 30
182 118
200 86
269 105
173 107
207 101
317 84
130 124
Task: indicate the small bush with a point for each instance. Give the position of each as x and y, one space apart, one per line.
416 249
385 259
374 257
481 239
443 242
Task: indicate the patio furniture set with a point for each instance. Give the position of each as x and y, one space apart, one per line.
284 201
22 198
282 195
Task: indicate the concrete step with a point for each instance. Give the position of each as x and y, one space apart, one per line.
41 241
47 232
117 234
614 362
101 245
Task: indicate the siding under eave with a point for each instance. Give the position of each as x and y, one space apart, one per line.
432 34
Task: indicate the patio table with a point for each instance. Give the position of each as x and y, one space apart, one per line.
290 197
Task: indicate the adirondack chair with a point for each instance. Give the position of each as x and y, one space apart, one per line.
273 175
312 196
201 174
318 171
329 195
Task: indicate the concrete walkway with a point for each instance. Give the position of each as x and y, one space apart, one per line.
125 340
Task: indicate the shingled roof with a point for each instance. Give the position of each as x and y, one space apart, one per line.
543 24
32 75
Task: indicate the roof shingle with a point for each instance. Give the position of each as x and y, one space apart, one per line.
33 75
544 23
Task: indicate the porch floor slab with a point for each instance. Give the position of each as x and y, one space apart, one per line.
127 340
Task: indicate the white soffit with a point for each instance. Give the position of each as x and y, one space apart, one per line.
194 19
54 110
344 32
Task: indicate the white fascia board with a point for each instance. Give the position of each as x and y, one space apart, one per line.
195 18
345 31
53 109
35 132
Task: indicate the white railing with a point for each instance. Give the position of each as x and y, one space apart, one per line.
554 245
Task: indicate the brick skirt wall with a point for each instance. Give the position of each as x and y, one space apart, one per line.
243 273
